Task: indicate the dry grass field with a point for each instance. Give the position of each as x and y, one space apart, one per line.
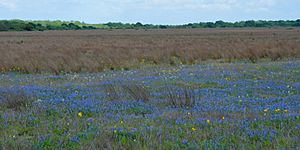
98 50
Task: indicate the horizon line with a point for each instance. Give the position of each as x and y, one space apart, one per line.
83 22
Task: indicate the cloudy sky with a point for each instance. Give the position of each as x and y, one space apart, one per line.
150 11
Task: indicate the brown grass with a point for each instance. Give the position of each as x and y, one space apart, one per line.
96 50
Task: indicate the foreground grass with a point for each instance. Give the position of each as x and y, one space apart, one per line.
237 106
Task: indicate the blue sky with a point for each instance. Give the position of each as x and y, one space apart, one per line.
150 11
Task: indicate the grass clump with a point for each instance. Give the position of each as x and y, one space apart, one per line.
181 97
112 91
134 91
15 99
137 91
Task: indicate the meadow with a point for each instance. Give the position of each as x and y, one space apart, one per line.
150 89
99 50
213 105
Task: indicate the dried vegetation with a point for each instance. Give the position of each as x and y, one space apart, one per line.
98 50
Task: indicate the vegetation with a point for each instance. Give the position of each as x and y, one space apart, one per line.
181 97
148 89
134 91
99 50
15 99
242 106
20 25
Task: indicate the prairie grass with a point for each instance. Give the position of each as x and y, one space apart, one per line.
98 50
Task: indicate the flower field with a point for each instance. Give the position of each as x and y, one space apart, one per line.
238 105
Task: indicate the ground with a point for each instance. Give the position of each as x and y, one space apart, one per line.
212 105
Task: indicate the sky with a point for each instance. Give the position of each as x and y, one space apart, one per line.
150 11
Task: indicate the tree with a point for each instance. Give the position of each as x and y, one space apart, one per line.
3 26
138 25
88 27
250 23
297 23
162 27
29 27
220 23
64 26
73 26
40 27
210 25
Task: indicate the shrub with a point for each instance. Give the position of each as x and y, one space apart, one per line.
137 91
15 99
112 91
181 97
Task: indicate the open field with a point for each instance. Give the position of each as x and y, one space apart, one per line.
98 50
150 89
205 106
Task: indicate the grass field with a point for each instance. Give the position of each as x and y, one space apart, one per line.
150 89
212 105
99 50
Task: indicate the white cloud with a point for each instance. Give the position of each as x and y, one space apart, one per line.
204 5
149 11
260 5
180 4
10 4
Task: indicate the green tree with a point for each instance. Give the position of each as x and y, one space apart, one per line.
249 23
138 25
4 26
29 27
72 26
220 24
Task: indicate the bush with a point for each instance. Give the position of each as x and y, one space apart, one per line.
137 91
15 99
112 91
181 97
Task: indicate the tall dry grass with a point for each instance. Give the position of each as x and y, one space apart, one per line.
96 50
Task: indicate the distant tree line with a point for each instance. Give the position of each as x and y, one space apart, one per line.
20 25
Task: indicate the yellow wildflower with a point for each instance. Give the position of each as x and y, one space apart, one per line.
121 122
277 110
223 117
227 78
80 114
266 110
286 111
189 113
194 129
208 121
